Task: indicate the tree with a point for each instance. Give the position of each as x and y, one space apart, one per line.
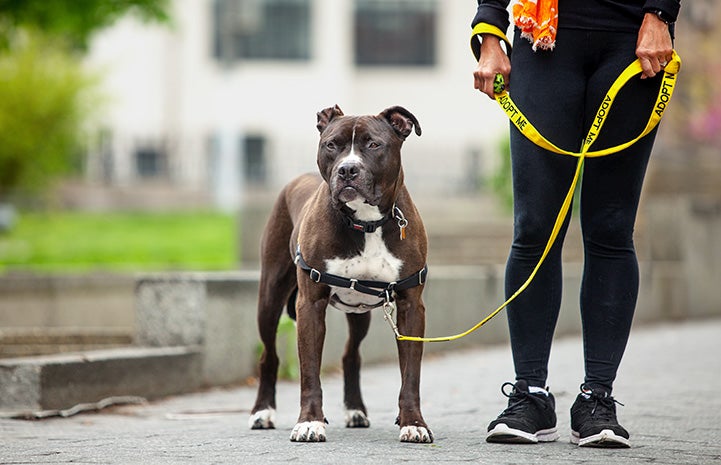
41 98
45 95
76 20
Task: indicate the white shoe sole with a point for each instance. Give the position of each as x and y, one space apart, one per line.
606 438
502 433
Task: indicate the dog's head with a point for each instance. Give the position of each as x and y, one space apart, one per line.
360 156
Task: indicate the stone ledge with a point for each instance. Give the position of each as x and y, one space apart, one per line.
30 384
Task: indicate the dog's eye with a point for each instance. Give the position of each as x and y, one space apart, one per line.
373 145
331 145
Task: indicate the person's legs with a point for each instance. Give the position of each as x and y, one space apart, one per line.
609 201
610 196
549 88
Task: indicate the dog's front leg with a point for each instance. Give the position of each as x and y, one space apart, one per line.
311 334
411 321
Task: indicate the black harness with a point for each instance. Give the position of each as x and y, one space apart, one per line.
380 289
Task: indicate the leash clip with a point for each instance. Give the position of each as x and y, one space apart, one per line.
388 307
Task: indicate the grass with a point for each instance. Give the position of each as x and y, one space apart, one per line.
80 242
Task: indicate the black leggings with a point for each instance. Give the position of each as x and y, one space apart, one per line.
560 93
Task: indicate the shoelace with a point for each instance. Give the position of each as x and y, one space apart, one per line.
518 398
608 404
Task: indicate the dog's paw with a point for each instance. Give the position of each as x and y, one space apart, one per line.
356 419
308 431
262 419
416 434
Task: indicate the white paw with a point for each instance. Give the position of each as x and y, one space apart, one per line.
356 419
308 431
262 419
416 434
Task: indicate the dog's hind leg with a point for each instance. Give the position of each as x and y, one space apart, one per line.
276 287
356 415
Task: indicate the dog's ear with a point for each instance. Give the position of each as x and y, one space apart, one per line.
401 120
326 116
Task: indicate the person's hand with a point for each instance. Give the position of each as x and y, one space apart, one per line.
654 46
493 61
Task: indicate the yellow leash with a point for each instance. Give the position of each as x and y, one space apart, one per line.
521 122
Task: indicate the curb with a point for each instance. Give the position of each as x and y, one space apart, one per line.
29 385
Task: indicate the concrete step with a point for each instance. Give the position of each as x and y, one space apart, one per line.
485 243
22 342
33 386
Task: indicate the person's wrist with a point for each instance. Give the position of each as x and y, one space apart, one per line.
489 40
661 15
490 37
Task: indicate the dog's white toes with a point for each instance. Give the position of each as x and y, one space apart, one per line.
416 434
308 431
356 419
262 419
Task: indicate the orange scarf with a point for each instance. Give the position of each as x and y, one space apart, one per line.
538 20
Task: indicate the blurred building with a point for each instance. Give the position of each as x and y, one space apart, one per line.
221 105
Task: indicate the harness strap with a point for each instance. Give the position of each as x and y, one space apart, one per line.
379 289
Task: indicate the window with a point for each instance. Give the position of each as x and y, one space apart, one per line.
261 30
150 162
254 164
395 32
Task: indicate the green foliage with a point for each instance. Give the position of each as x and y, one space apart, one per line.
44 92
120 242
500 182
41 112
288 368
286 345
75 20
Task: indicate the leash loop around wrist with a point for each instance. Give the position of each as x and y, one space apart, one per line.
521 122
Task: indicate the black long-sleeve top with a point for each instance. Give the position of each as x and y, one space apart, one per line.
604 15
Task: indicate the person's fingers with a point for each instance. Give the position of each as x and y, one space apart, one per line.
650 67
482 83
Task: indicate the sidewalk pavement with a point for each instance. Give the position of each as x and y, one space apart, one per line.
668 381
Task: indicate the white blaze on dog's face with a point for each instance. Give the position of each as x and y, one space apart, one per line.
351 184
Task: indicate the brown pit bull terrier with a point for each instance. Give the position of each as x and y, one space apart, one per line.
352 239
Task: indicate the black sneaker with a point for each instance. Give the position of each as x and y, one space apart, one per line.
593 420
528 419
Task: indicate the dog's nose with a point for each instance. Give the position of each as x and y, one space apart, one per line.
348 171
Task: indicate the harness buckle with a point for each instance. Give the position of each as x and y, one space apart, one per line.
315 275
353 282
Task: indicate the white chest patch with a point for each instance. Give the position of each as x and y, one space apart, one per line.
374 263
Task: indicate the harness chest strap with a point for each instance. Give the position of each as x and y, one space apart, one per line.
378 289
